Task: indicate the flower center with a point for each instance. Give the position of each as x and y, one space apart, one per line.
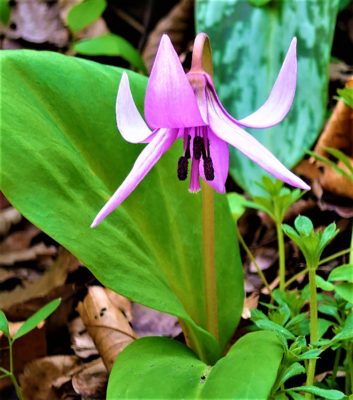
200 150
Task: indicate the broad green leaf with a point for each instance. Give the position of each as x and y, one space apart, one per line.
341 273
237 205
272 326
314 353
110 45
62 158
84 13
249 44
322 284
324 393
160 368
323 325
293 370
4 325
36 318
295 396
346 332
4 11
345 290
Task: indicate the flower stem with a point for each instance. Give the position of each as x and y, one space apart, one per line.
11 373
208 231
351 249
313 324
281 257
252 258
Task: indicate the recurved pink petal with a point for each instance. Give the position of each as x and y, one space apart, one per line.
220 157
145 161
248 145
281 97
129 121
170 101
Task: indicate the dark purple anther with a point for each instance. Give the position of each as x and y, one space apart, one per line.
208 168
198 147
182 168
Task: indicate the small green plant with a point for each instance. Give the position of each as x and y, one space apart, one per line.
275 202
311 244
85 13
26 327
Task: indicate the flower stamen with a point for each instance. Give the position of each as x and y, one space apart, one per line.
182 168
198 147
183 161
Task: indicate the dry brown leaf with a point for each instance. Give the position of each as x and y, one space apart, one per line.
250 303
177 25
32 253
91 381
338 132
37 22
107 325
51 279
38 377
265 257
337 183
82 343
120 302
272 286
148 322
19 240
8 217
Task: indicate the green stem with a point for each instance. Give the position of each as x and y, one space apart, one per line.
296 276
208 230
333 256
252 258
12 375
281 257
349 368
351 249
313 325
336 364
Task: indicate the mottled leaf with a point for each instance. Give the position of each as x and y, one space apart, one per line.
249 44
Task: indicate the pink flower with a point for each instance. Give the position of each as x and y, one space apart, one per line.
186 106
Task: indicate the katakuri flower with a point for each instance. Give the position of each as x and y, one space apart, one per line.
186 106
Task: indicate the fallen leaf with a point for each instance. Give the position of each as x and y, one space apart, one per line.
177 25
32 253
19 240
250 303
265 257
82 343
107 325
91 382
338 132
37 380
37 22
120 302
51 279
148 322
8 217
